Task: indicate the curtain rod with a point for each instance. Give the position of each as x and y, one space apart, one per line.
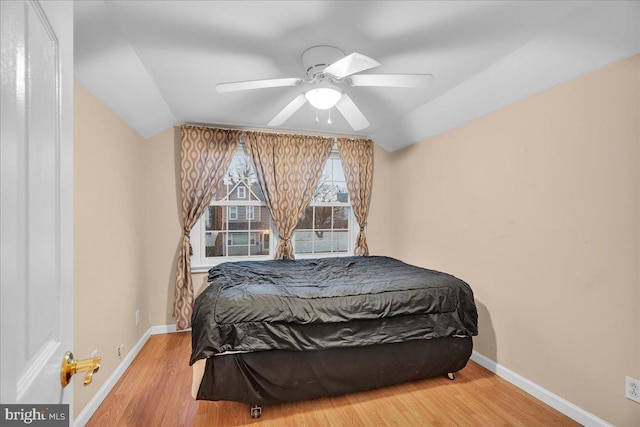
252 130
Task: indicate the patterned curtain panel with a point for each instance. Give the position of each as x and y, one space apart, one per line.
288 168
205 156
357 161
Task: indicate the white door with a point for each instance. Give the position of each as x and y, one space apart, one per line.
36 183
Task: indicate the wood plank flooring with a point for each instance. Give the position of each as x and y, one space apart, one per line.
156 391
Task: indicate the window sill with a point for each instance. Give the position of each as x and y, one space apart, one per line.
204 268
200 268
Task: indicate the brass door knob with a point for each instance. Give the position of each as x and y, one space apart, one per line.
70 367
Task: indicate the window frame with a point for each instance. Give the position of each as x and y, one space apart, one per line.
234 216
200 263
251 217
244 192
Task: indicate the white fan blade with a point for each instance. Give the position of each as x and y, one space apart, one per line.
288 111
352 113
392 80
351 64
257 84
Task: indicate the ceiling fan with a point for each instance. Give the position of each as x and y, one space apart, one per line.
327 68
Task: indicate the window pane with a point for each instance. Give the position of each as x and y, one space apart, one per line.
342 194
331 186
306 222
327 170
238 244
304 242
322 241
340 241
261 218
323 217
240 169
259 243
341 217
325 191
213 219
238 239
215 244
338 171
238 218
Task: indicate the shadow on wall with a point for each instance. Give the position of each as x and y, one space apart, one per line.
174 264
485 342
171 287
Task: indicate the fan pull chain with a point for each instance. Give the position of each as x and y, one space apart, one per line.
317 118
329 121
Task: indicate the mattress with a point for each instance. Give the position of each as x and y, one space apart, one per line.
302 305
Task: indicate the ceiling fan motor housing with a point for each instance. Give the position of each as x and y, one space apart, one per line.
317 58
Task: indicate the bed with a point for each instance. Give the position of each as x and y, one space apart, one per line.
266 332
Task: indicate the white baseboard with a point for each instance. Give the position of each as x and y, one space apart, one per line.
97 399
574 412
165 329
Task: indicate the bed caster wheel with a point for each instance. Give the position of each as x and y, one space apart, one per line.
256 411
451 376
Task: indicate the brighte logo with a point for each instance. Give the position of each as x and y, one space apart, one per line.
25 416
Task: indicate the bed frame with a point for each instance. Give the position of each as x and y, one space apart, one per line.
275 376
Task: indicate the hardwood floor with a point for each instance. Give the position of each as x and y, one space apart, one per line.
156 391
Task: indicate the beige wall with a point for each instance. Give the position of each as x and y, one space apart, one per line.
163 223
109 216
379 226
537 207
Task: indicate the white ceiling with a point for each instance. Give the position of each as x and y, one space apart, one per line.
156 63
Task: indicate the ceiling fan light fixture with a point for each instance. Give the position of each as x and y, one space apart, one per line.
323 98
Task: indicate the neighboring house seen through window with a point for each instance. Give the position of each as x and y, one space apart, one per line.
237 224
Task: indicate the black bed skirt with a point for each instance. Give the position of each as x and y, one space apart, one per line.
269 377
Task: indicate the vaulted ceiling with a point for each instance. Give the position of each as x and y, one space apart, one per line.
156 63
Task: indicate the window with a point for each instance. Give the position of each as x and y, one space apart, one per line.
233 213
237 224
326 223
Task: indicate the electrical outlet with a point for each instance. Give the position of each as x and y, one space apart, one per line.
120 350
137 317
632 389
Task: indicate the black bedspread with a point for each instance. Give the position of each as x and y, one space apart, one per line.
327 303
